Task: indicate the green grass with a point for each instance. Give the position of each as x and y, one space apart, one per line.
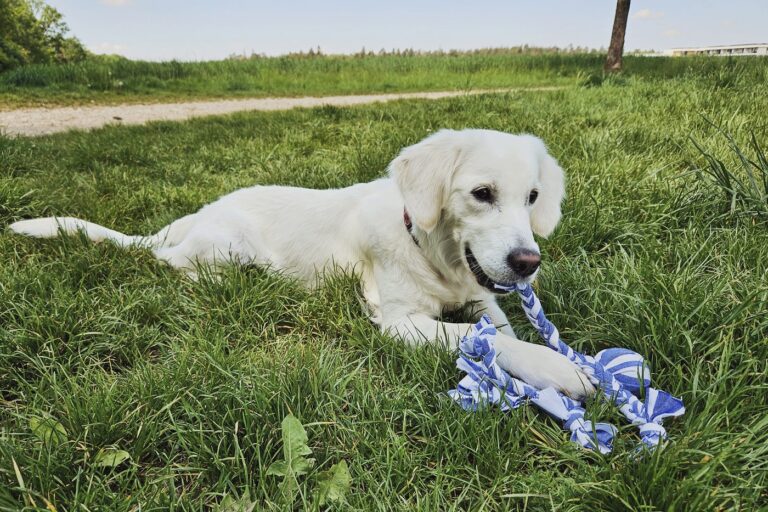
192 379
120 80
117 80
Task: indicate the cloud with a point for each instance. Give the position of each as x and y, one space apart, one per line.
647 14
116 3
109 48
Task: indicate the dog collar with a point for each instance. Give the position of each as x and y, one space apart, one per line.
409 226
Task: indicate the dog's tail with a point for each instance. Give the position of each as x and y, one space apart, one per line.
50 227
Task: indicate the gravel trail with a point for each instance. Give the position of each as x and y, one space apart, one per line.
43 121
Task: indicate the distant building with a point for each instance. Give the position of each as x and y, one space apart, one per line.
728 50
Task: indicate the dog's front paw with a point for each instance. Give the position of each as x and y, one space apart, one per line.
542 367
561 374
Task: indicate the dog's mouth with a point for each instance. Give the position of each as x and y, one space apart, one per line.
482 277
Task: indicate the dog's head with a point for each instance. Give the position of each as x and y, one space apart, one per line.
493 190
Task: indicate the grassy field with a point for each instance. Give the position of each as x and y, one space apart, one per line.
105 349
113 80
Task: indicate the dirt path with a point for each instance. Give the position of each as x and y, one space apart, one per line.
42 121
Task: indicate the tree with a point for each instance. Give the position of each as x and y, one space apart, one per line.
616 49
33 32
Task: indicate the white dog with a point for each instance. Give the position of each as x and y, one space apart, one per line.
456 216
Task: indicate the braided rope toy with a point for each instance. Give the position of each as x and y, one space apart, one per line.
620 373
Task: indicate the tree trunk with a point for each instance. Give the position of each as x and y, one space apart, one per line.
615 51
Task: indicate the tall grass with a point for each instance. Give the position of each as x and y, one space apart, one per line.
744 182
110 78
116 79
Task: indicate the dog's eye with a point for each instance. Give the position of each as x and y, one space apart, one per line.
483 194
533 196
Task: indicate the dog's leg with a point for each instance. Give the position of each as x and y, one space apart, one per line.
538 365
498 317
211 244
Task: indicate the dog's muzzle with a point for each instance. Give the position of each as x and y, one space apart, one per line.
482 278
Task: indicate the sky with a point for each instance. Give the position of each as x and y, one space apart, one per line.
215 29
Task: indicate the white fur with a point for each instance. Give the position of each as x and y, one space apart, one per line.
302 231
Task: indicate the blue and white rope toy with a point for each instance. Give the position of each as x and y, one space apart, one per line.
618 372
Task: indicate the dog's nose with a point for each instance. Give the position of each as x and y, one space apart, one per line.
524 262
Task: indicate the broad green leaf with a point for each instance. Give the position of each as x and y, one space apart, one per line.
110 457
295 445
242 504
296 463
332 485
289 487
50 431
301 466
278 468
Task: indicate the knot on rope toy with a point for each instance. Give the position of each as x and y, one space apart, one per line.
618 372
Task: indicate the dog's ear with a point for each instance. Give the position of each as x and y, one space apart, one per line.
546 210
423 174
